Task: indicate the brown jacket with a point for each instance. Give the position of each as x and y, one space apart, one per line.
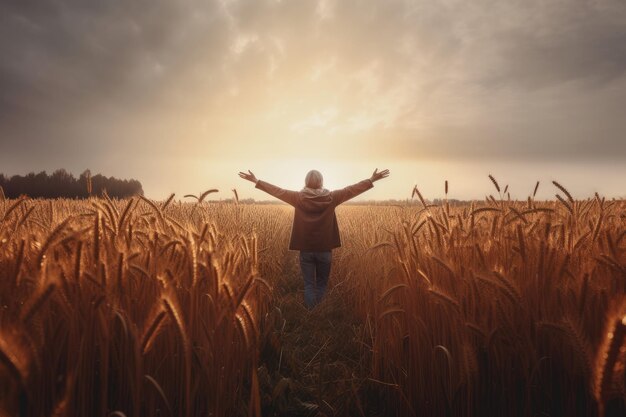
314 222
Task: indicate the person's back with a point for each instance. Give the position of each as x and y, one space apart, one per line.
315 231
315 223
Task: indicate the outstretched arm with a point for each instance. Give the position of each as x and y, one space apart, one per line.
379 175
248 176
289 197
345 194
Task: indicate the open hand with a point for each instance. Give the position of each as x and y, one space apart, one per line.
379 175
248 176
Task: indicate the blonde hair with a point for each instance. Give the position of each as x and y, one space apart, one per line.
314 180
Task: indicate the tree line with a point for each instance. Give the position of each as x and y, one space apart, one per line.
62 184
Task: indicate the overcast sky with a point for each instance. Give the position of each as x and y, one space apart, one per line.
181 95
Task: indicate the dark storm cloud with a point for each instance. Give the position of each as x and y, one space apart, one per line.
569 41
60 57
544 80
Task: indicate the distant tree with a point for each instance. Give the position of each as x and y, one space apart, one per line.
62 184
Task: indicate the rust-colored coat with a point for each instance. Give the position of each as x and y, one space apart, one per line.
314 222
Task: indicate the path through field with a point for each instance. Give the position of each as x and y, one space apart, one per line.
313 363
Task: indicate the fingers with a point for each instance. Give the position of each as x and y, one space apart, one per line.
383 174
246 176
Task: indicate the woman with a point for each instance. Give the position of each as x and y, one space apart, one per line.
315 232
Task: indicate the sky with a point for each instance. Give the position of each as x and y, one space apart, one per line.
182 95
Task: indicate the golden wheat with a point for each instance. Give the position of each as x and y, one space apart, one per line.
460 310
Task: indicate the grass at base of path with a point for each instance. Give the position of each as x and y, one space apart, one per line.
313 363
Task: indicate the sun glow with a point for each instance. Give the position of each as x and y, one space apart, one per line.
290 173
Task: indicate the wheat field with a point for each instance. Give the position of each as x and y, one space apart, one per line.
143 308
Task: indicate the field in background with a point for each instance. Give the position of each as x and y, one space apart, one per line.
136 307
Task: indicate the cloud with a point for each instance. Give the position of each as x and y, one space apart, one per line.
75 53
410 79
563 41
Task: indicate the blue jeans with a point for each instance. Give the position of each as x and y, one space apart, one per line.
315 268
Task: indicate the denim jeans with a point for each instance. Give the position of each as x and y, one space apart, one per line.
315 268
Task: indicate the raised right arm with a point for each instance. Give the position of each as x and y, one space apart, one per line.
352 191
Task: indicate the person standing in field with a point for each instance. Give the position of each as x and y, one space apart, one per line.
315 232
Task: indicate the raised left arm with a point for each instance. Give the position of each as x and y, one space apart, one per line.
248 176
289 197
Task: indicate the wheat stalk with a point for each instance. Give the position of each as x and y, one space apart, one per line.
607 359
36 303
560 187
495 183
